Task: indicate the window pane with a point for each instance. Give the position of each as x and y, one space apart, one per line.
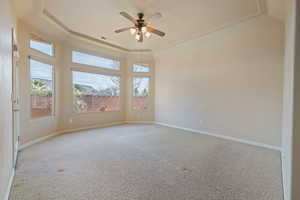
95 92
87 59
41 89
140 68
141 93
42 47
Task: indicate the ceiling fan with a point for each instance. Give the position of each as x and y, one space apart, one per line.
140 28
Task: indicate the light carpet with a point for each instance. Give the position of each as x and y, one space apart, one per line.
146 162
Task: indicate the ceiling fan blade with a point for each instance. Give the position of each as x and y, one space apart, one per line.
155 31
123 29
153 16
127 16
147 22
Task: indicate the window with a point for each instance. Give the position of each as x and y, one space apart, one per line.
41 89
87 59
140 68
95 92
141 93
41 45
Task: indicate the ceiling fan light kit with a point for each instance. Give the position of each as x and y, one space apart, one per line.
148 34
132 31
141 28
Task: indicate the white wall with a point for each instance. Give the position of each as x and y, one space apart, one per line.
287 118
291 106
228 82
296 131
7 22
291 114
296 118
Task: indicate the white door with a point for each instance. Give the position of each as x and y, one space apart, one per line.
15 97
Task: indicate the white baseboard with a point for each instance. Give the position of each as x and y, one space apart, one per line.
284 178
223 137
91 127
60 132
30 143
139 122
9 186
23 146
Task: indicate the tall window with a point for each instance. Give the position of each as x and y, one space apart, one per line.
41 89
95 92
87 59
140 93
41 45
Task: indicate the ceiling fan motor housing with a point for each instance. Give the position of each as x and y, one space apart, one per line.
140 22
140 15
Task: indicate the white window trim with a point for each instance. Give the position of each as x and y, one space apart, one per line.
150 92
96 55
53 113
39 52
143 65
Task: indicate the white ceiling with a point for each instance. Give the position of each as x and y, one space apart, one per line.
181 20
276 8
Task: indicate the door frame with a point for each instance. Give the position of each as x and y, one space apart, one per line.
15 97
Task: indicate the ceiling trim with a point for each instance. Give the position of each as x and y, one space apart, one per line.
261 9
71 32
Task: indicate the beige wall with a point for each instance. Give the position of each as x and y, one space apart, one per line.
7 22
228 82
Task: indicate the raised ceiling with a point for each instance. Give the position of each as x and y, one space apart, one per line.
276 8
181 20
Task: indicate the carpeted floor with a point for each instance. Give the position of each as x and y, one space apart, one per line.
146 162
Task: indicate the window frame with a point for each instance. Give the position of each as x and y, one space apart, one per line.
72 69
96 55
45 61
34 37
142 65
132 91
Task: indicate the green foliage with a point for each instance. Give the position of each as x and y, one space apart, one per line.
39 88
79 104
80 91
77 90
138 84
145 93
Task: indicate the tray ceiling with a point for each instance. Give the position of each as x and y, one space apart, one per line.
181 20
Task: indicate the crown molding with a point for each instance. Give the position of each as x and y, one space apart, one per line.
261 9
54 20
